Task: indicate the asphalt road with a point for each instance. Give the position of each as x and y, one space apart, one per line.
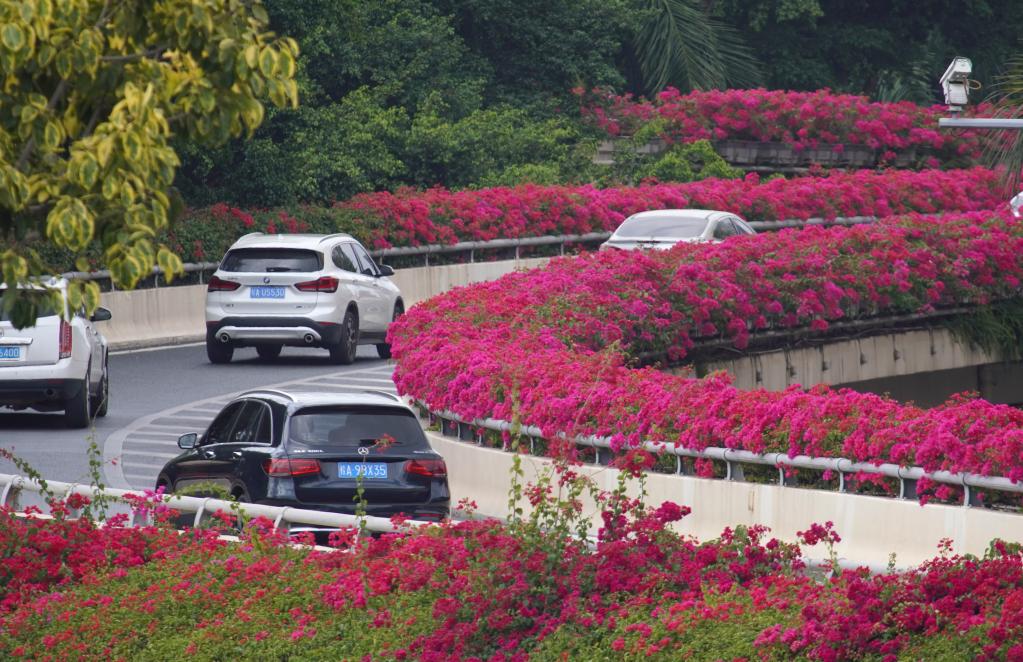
143 383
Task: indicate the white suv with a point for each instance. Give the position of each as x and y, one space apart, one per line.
300 290
58 364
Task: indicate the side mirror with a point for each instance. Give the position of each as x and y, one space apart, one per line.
188 441
100 315
385 270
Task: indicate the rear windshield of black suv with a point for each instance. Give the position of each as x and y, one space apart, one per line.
260 260
347 428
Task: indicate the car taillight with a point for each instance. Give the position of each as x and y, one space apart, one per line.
321 284
278 467
218 284
65 339
428 468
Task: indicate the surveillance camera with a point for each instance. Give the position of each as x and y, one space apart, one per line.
956 83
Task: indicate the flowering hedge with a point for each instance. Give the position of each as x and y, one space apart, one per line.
480 590
550 347
438 216
804 120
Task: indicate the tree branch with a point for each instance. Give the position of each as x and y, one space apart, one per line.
133 57
55 98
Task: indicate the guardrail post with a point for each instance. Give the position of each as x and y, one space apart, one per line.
733 471
842 487
907 488
472 255
10 492
971 497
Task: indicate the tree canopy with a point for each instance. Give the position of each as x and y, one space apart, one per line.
92 93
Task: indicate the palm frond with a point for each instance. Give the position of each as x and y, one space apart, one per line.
679 44
1005 148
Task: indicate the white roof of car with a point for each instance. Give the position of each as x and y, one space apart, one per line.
686 213
258 239
300 399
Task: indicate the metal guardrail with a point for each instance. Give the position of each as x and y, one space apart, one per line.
282 517
471 247
455 426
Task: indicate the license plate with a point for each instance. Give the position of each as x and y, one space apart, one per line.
262 292
10 353
368 470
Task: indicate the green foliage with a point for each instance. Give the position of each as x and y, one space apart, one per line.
810 44
997 329
687 163
634 162
495 145
680 44
92 93
538 50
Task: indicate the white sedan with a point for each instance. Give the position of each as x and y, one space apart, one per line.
665 228
60 364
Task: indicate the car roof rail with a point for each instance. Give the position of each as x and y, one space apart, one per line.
336 235
269 391
386 394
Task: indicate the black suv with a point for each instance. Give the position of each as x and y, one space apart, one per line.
308 450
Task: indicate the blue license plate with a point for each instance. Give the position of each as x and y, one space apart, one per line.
262 292
10 353
368 470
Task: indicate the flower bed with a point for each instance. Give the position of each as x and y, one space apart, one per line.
550 347
803 120
480 590
438 216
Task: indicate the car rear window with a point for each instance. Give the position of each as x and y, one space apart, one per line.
676 227
45 308
261 260
347 428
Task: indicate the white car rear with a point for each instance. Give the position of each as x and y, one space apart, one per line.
301 290
59 364
665 228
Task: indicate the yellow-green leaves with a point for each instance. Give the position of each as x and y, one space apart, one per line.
94 93
13 37
70 224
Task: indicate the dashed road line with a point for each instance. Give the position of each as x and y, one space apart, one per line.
145 437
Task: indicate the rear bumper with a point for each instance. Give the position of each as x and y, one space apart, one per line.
432 510
294 331
29 392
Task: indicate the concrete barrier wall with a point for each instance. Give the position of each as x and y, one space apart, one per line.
871 527
166 315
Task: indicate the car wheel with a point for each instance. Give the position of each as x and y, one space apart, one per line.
102 401
218 352
384 349
344 351
269 352
76 410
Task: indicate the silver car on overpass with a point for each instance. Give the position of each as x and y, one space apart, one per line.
664 228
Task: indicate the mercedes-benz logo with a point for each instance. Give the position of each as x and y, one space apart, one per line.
266 280
363 450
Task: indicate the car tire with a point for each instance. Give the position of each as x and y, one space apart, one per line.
343 353
102 401
218 352
269 352
76 410
384 349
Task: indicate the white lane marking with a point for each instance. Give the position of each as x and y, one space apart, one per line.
156 349
149 454
113 447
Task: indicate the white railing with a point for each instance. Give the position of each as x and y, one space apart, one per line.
472 247
283 517
455 426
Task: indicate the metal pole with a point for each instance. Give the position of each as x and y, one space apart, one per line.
979 123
